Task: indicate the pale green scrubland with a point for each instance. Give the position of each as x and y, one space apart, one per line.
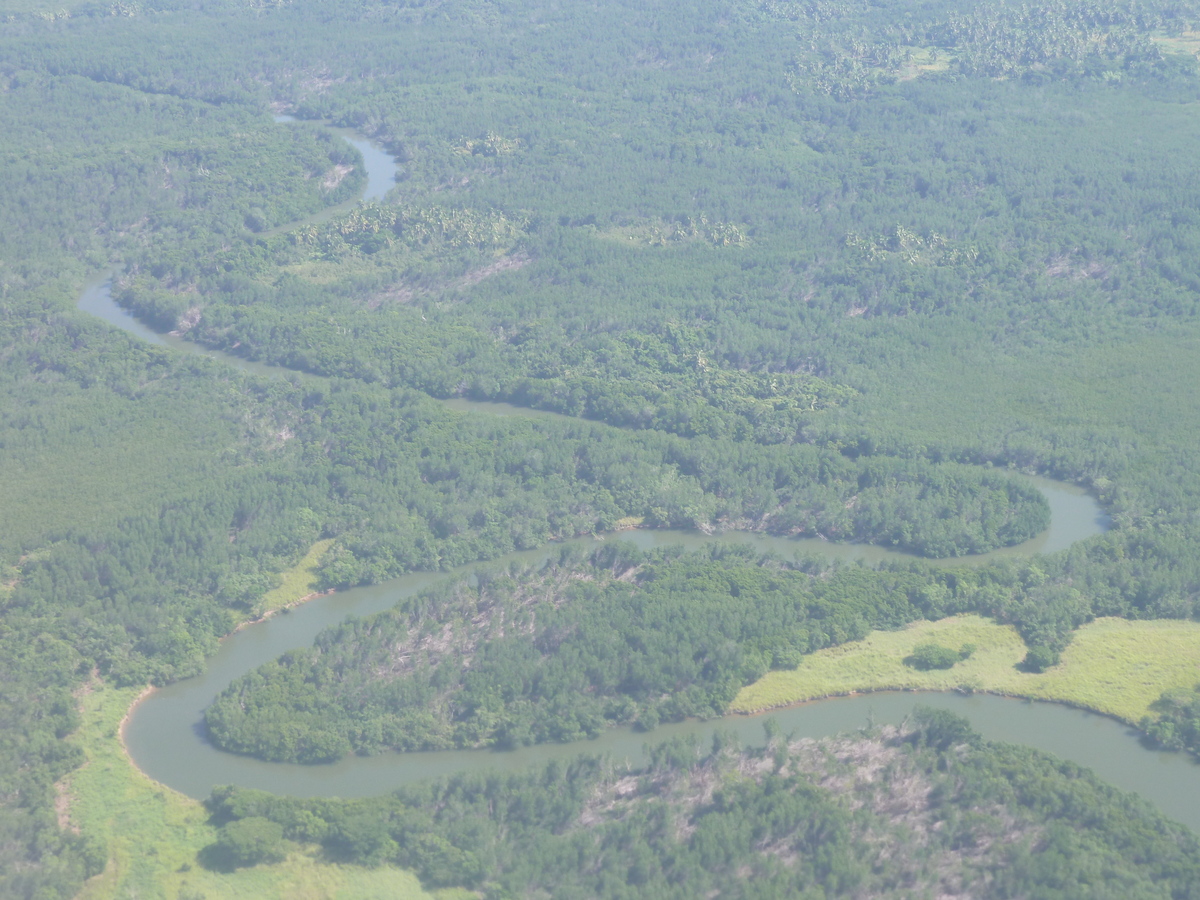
1113 666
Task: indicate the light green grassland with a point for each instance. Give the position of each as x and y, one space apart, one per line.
1113 666
153 833
924 61
299 582
1186 42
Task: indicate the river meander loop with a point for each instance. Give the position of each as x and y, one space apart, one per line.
165 734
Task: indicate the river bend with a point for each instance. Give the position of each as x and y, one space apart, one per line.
165 734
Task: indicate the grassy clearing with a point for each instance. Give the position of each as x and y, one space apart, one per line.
153 834
876 663
1187 42
299 582
1113 666
924 61
1119 667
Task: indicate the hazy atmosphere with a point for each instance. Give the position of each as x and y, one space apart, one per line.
520 449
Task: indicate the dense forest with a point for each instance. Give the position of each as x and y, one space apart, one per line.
560 653
927 809
1176 723
825 269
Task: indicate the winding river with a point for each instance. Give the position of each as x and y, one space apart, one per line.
165 735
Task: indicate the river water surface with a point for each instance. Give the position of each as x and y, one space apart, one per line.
165 734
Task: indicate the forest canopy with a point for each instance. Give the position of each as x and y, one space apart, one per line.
826 269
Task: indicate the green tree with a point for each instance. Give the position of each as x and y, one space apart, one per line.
250 841
932 656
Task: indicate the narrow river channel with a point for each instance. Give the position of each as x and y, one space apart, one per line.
166 739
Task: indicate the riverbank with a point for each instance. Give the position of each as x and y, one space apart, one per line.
1116 667
297 585
153 834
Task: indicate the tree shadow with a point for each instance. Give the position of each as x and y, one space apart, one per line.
216 858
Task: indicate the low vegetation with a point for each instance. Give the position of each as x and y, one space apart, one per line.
1113 666
298 583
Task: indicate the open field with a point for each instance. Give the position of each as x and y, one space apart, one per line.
153 834
924 61
1185 42
1113 666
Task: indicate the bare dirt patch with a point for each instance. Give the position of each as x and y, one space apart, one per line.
1187 42
1077 269
187 321
396 294
402 292
504 264
474 616
335 176
895 799
62 808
